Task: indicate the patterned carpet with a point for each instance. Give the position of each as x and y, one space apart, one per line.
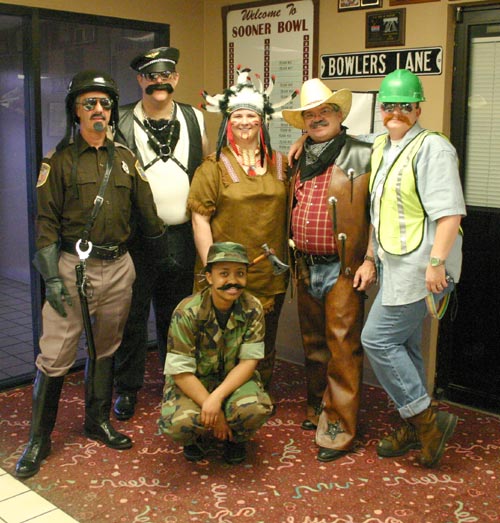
281 481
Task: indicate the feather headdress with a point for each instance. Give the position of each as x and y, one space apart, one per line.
245 94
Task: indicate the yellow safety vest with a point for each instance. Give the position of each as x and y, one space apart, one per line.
402 215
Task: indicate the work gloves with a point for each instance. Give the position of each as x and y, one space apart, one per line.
46 262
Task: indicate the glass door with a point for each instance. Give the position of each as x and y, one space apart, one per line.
16 331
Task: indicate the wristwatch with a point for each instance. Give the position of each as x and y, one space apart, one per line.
436 262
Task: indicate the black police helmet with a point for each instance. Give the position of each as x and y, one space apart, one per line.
92 80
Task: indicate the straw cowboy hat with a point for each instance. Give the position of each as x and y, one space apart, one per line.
313 94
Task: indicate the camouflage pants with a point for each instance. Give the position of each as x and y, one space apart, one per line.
246 410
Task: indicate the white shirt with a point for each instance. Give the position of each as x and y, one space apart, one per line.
169 183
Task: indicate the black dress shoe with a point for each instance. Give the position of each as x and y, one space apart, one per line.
308 425
124 407
235 452
325 454
105 433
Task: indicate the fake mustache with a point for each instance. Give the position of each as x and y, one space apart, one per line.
150 89
228 286
401 118
321 123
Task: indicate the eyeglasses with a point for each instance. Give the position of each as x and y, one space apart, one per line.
90 103
324 113
152 77
405 108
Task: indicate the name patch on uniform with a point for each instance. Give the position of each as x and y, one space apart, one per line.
125 167
141 171
43 174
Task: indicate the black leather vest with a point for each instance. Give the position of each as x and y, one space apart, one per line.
125 134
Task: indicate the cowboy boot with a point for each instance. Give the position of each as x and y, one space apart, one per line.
46 393
98 393
338 421
434 429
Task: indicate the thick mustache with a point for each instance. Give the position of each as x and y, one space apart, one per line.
321 123
150 89
401 118
228 286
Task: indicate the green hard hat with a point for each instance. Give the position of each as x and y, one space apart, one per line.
227 251
401 86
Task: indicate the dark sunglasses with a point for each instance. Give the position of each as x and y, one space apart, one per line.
90 103
152 77
405 108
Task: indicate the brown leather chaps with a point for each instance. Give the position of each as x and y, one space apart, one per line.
331 333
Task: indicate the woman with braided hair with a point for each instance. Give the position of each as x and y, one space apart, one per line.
239 194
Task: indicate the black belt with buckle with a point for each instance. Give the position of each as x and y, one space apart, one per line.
99 252
317 259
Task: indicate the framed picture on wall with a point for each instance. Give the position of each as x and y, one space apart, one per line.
385 28
348 5
409 2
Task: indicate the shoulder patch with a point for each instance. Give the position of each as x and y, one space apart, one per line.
140 170
43 174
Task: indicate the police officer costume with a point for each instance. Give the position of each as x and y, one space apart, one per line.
67 187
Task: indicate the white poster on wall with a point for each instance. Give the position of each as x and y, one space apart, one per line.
273 40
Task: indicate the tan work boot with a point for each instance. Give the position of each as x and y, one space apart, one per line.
434 429
399 442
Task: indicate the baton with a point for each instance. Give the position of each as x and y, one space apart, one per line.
81 283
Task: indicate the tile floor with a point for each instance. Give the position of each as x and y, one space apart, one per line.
16 331
19 504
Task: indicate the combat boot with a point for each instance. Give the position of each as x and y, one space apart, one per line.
399 442
46 394
98 392
434 429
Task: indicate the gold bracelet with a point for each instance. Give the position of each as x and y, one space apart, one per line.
369 258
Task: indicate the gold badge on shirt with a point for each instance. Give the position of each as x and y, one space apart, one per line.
141 171
125 167
43 174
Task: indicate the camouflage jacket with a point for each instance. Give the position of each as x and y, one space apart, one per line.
197 344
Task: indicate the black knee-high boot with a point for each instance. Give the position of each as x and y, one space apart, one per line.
98 393
46 393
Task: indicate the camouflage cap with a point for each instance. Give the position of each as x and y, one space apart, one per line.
227 251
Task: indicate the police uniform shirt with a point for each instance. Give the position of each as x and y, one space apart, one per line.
65 205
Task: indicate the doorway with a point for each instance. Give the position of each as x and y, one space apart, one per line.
469 366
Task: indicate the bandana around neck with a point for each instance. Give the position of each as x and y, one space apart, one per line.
317 157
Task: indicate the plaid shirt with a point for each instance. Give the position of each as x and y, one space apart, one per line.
312 227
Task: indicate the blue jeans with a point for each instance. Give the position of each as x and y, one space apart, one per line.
323 278
392 339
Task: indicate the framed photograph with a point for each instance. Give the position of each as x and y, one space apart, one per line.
409 2
385 28
348 5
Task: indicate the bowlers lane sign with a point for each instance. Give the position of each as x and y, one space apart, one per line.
421 61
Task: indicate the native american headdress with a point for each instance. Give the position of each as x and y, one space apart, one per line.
245 94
